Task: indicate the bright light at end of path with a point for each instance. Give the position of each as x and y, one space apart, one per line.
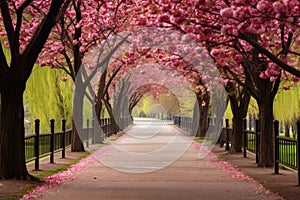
161 144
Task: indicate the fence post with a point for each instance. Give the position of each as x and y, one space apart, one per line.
37 144
63 128
87 132
52 140
227 134
191 125
257 140
245 137
276 146
250 123
106 127
298 150
93 131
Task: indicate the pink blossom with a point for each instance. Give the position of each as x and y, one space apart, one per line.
57 179
164 18
43 63
273 78
81 49
295 79
194 74
64 78
238 58
263 75
274 66
225 81
216 52
279 7
75 42
226 12
263 5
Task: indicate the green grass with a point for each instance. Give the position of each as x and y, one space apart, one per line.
283 135
41 174
286 154
251 145
27 188
199 140
113 139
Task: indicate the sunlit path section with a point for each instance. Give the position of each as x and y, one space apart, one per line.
148 147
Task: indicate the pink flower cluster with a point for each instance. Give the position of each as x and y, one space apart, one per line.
231 170
59 178
234 172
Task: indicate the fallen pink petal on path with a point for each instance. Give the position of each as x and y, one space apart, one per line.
56 179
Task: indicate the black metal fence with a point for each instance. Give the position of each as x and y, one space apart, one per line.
226 135
251 139
185 123
40 145
286 149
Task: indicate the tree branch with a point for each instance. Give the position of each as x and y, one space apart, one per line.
7 20
3 62
111 79
276 86
272 57
16 43
295 53
34 47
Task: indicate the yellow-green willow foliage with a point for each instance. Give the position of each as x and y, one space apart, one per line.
287 105
47 96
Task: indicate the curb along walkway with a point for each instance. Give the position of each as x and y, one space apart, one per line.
187 178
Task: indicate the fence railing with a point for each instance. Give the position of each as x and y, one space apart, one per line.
185 123
286 149
40 145
251 139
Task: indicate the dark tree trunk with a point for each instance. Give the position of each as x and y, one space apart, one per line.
114 126
12 133
266 130
202 116
76 142
239 107
237 132
287 130
264 91
13 77
203 121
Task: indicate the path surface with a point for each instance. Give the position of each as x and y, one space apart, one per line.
187 178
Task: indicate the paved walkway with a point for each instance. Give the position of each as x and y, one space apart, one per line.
283 184
123 177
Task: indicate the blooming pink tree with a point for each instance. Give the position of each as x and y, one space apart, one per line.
83 26
178 67
258 38
25 27
266 35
